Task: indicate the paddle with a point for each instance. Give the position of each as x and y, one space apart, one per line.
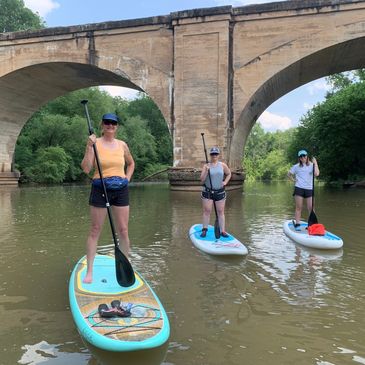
217 231
312 219
123 268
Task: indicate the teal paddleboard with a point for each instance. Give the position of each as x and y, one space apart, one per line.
147 327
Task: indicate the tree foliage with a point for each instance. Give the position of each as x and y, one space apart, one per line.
15 16
265 155
56 136
334 131
345 79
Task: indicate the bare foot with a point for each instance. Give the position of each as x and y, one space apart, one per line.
88 279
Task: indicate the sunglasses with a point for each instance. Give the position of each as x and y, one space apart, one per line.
302 156
214 154
109 122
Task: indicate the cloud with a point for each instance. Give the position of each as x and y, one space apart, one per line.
123 92
42 7
272 122
307 106
318 86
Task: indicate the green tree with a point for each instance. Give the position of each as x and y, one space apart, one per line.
334 131
61 123
51 165
274 166
342 80
265 154
15 16
140 142
145 108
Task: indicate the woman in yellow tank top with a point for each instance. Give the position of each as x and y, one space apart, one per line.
116 160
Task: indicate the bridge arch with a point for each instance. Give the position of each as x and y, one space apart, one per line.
25 90
337 57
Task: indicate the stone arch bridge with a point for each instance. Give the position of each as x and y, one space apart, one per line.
212 70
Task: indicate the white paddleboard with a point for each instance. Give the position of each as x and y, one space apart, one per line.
209 244
300 235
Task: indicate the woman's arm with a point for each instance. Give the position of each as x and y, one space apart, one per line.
87 162
291 176
129 161
204 173
227 173
316 168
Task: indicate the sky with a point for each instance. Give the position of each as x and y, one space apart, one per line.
281 115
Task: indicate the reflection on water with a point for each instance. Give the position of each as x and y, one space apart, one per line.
281 304
44 352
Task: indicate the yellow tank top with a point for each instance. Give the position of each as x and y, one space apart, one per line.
111 160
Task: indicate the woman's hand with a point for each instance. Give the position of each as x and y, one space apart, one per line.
316 168
91 140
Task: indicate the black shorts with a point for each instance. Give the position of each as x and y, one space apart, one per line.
216 196
119 198
304 193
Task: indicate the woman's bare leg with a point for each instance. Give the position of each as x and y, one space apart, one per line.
121 216
97 221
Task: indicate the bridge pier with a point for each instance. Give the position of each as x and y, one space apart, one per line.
188 179
9 178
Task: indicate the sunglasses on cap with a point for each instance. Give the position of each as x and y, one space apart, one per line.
109 122
300 156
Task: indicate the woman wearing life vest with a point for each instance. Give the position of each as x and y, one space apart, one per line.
220 175
302 174
117 167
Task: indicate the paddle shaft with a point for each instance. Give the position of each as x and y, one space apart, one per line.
210 178
312 219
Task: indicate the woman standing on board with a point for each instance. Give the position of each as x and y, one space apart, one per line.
302 174
114 155
220 175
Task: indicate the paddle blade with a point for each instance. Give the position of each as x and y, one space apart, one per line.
217 231
123 269
312 219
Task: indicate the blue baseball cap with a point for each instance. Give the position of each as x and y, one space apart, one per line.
110 116
302 152
214 151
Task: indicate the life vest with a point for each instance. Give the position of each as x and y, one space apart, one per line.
316 230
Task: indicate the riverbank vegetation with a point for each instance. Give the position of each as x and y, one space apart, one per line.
52 143
333 131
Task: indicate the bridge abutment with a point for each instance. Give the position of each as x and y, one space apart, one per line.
188 179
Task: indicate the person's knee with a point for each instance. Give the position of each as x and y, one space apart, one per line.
207 210
95 230
220 211
123 231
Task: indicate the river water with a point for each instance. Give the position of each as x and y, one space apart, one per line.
281 304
